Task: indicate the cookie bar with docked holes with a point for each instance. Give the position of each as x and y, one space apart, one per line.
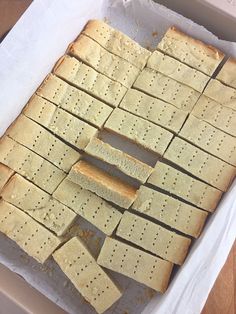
221 93
185 186
87 276
5 174
227 74
88 205
193 52
31 135
122 161
117 43
38 204
31 236
170 211
103 184
219 116
30 165
197 162
153 238
90 52
150 270
161 86
210 139
89 80
139 131
61 123
74 100
154 110
177 70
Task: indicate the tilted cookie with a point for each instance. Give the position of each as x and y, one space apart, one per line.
5 174
122 161
227 73
87 276
103 184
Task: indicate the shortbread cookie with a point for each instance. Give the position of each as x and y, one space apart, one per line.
88 205
154 110
210 139
152 271
227 74
31 236
5 174
154 238
161 86
90 52
103 184
38 204
170 211
140 131
87 276
191 51
221 93
185 186
177 70
122 161
217 115
74 100
33 136
30 165
89 80
117 43
200 164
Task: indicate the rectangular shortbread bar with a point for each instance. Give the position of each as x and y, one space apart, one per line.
5 174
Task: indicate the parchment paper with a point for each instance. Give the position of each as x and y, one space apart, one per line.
27 54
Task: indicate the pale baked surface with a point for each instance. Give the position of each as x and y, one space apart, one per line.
142 132
136 264
183 185
117 43
114 67
200 164
5 174
74 100
153 237
221 93
38 204
210 139
177 70
191 51
30 165
33 136
124 162
227 74
31 236
169 90
172 212
103 184
154 110
87 276
89 80
88 205
219 116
